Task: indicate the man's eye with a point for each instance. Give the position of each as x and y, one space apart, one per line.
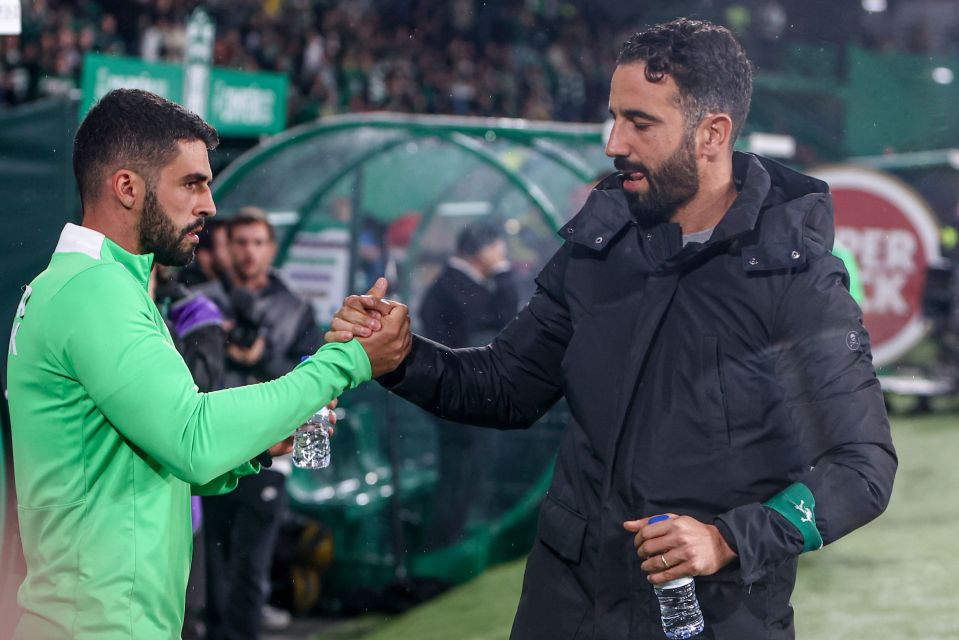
640 126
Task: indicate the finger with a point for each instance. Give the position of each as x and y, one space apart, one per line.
337 336
365 306
378 290
682 570
360 315
354 328
653 564
333 403
634 525
652 547
378 305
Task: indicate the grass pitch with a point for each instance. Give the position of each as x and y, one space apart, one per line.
897 578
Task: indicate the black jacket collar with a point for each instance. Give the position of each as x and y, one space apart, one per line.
763 184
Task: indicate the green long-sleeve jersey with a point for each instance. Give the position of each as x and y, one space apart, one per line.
110 436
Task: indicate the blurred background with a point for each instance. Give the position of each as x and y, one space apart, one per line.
373 133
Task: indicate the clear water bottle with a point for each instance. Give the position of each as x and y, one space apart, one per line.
680 609
311 442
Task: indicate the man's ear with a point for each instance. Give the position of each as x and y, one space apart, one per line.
128 187
716 133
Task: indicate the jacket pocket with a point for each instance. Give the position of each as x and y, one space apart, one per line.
562 529
715 391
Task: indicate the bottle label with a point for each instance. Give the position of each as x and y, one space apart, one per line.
675 584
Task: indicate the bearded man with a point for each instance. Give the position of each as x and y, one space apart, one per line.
110 435
715 366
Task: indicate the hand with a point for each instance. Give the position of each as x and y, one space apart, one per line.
331 416
360 315
389 346
689 547
282 447
247 356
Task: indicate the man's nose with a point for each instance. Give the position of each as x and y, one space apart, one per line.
614 146
207 207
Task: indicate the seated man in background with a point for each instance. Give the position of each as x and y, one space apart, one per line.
471 300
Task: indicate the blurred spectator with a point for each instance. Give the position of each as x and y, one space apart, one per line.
212 260
492 58
471 300
269 328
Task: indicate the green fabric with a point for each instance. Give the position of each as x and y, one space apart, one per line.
111 436
797 504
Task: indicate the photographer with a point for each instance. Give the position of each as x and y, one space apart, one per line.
268 328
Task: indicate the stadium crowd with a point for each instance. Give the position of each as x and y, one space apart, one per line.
533 59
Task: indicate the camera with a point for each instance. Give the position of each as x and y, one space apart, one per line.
247 327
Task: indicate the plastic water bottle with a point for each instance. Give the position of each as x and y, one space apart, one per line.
311 442
679 608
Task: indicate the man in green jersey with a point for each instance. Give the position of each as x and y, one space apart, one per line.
110 435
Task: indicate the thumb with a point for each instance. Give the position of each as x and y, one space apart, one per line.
378 290
633 525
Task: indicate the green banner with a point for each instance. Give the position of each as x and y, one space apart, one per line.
102 74
240 103
247 103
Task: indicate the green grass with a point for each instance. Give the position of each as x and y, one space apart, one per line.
898 578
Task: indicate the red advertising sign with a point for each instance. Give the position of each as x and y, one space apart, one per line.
895 237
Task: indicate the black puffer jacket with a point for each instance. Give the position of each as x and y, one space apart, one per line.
703 380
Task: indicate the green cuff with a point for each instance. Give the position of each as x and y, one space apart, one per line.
358 363
797 504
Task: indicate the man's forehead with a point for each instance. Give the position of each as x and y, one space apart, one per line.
630 84
192 156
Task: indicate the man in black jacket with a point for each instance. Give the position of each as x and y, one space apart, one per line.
469 303
714 363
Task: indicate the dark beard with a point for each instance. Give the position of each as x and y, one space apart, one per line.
669 187
159 237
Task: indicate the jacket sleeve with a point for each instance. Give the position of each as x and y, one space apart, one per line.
824 366
226 482
509 383
114 348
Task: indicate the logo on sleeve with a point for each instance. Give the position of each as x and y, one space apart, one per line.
21 311
853 341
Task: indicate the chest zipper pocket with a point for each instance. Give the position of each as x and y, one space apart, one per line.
715 391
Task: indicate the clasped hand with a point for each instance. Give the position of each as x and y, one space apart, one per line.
381 326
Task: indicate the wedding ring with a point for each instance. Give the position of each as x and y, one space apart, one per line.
662 558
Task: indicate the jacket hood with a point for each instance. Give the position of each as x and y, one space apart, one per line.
779 213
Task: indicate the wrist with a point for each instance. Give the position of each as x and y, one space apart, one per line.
724 551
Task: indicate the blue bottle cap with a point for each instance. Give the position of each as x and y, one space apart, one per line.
656 519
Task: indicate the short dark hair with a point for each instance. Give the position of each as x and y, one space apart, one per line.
136 129
705 60
247 216
476 236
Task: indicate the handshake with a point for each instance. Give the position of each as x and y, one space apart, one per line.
381 326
